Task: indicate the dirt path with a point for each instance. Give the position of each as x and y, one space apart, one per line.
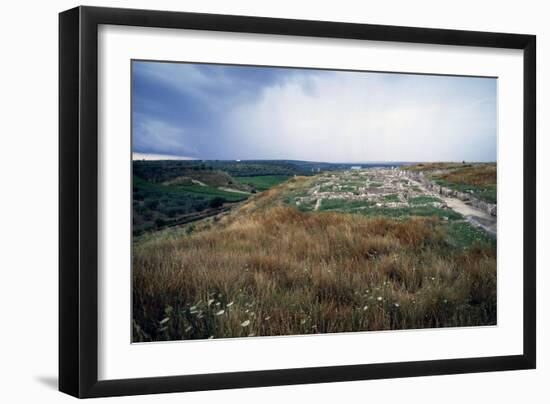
474 216
318 204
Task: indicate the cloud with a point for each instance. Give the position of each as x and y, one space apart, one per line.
354 117
231 112
215 86
155 136
152 156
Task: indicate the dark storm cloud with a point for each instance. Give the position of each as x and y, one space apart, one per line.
232 112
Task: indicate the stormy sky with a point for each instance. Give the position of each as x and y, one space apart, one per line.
206 111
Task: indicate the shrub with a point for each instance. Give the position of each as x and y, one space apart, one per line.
216 202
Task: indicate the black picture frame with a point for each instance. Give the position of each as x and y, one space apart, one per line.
78 201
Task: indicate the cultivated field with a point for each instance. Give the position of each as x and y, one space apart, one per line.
342 250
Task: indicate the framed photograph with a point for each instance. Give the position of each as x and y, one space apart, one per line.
251 201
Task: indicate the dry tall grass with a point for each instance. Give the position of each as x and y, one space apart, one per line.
279 271
479 174
483 174
436 166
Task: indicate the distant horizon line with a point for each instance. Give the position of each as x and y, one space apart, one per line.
139 156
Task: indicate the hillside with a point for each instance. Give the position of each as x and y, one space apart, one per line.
214 178
182 199
272 267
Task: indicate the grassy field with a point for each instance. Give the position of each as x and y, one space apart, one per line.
268 268
420 200
141 185
211 192
391 198
263 182
343 205
422 211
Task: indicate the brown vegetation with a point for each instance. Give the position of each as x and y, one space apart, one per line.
273 270
479 174
435 166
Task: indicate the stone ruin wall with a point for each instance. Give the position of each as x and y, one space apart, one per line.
490 208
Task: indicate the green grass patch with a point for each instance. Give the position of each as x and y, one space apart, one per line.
423 200
211 192
412 211
160 190
391 198
348 188
263 182
463 235
375 184
343 204
487 193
